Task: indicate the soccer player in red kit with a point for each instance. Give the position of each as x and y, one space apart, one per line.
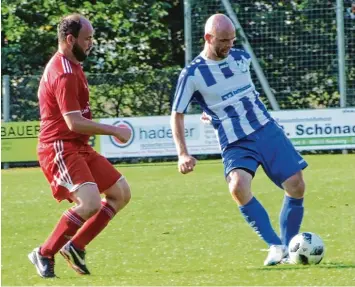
74 170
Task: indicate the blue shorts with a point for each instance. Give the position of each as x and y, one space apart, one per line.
268 147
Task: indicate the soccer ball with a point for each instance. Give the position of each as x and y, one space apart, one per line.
306 248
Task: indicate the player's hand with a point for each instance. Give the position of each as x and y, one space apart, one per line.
123 134
206 119
186 164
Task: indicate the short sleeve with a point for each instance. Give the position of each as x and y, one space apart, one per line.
184 90
247 57
66 93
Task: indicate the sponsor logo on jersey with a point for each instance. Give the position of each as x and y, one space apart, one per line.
86 109
235 92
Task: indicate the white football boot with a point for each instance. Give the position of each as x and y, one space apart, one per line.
276 254
286 259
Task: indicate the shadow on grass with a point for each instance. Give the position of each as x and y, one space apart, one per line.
327 265
331 265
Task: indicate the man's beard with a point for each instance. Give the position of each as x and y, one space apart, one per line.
220 54
79 53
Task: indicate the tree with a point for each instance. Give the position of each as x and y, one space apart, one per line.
131 37
298 41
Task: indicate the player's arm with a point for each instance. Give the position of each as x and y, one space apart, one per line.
183 94
77 123
186 162
67 94
178 131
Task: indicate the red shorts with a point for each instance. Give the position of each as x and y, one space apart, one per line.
69 165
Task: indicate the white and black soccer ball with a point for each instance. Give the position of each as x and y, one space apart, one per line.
306 248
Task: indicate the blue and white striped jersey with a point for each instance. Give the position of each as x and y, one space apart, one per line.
225 91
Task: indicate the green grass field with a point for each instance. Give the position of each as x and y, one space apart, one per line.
184 230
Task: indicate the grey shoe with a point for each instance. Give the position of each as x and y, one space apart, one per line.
44 265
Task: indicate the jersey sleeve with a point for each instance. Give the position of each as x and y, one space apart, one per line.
184 91
247 57
66 93
239 54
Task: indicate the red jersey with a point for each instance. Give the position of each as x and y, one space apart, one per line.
63 89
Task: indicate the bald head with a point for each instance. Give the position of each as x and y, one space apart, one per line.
217 24
219 37
71 25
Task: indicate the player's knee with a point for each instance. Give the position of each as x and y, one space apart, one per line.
123 192
300 188
88 200
239 187
119 194
126 193
238 182
91 206
295 186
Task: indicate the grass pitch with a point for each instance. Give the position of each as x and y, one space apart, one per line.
184 230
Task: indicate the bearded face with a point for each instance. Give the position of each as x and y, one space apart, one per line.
79 52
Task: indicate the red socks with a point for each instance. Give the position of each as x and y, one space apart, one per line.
93 226
67 226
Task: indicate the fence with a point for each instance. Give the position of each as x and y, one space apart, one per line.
111 95
295 43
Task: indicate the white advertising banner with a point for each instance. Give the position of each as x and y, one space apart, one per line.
152 136
307 129
319 129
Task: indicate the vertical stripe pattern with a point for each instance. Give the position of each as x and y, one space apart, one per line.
250 114
66 66
206 74
62 177
225 69
225 91
235 119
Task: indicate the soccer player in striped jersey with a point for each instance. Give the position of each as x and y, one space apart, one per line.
219 80
75 171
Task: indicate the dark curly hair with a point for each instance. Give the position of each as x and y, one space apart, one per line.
69 25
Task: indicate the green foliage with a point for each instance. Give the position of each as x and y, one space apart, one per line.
127 94
299 58
132 94
139 40
129 34
24 101
133 41
296 45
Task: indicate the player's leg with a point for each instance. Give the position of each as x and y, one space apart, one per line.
283 164
116 198
88 203
70 179
117 195
240 164
87 198
292 210
239 182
